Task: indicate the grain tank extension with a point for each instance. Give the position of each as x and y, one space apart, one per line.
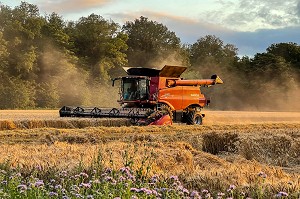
151 96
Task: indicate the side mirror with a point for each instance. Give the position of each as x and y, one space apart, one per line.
113 82
114 79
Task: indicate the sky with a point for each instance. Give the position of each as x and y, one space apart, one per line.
250 25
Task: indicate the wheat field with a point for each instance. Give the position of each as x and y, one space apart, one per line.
231 148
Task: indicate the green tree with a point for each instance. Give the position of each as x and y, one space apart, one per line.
151 43
55 30
209 53
21 28
16 93
98 44
288 51
3 54
47 95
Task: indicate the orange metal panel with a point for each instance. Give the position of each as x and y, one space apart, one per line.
191 95
171 71
191 82
172 96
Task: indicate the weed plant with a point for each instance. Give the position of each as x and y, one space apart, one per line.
129 182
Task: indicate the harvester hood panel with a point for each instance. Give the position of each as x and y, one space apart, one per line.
166 71
171 71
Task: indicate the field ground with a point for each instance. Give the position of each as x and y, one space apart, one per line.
230 148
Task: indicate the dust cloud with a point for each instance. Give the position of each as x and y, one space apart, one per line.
259 93
172 59
73 84
239 93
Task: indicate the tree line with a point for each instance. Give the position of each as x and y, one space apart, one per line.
47 62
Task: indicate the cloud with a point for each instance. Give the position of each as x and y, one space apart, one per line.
256 14
70 6
298 9
183 26
190 30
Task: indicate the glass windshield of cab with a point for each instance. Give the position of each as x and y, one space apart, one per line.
134 89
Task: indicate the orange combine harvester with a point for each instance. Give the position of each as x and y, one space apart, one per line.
154 97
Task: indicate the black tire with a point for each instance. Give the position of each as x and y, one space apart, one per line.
193 118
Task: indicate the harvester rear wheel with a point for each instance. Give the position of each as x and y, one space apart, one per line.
193 118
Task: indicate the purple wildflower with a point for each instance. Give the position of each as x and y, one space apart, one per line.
195 194
117 198
84 175
146 191
135 189
75 188
127 172
39 183
124 169
131 177
282 194
38 167
63 173
4 182
221 194
262 174
205 191
108 170
155 179
2 171
121 179
175 178
85 185
77 195
154 192
53 194
58 186
185 191
108 179
22 187
232 186
180 187
90 197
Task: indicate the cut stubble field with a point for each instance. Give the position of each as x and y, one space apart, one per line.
231 148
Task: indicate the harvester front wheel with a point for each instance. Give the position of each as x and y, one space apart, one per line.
194 118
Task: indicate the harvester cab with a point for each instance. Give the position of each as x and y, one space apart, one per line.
153 96
134 89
